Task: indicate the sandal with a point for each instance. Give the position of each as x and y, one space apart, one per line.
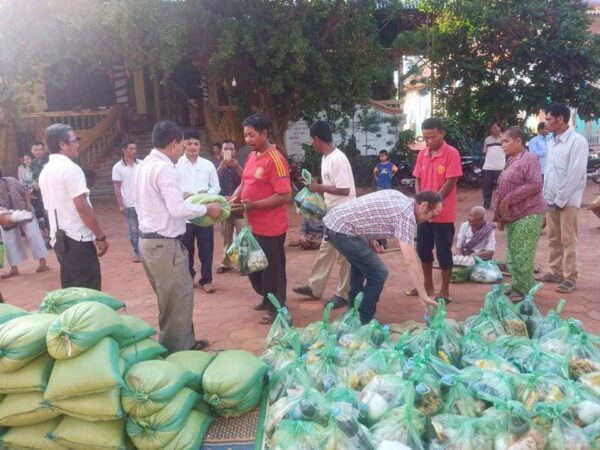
446 300
43 268
267 319
223 269
10 274
208 288
414 293
200 344
566 287
261 306
549 277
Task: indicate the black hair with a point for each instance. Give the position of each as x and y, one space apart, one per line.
495 122
433 123
126 143
229 141
216 144
516 133
258 122
322 130
164 132
384 152
191 133
35 143
431 197
55 134
559 109
541 126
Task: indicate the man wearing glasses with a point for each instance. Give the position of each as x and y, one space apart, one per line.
354 227
73 225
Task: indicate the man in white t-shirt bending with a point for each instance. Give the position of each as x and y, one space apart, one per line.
123 180
494 162
337 187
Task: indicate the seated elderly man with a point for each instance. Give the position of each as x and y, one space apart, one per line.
477 236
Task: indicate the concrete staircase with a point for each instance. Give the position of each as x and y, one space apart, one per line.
103 186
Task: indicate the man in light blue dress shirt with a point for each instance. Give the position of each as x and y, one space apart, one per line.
538 147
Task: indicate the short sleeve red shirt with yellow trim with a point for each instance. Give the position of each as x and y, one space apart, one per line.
266 174
434 172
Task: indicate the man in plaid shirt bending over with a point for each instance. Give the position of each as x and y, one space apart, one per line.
354 227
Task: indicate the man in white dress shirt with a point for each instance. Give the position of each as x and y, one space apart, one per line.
197 174
65 194
162 212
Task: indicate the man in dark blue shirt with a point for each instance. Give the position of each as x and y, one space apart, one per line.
230 176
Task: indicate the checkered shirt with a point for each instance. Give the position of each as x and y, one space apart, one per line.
380 215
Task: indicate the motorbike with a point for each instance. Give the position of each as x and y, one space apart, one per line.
404 180
593 169
472 175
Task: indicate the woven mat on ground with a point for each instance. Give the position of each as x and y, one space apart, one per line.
237 433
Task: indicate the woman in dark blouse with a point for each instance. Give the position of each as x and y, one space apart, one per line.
520 210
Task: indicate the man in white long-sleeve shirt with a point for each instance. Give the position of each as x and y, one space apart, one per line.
162 213
197 174
564 183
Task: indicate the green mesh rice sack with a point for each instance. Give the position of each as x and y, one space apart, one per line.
194 361
93 407
81 434
230 377
25 409
97 370
144 350
141 330
150 385
204 199
8 312
31 436
192 433
155 431
23 339
60 300
32 377
82 326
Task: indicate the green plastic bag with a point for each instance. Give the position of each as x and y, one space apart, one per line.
485 272
296 435
94 407
144 350
485 325
155 431
79 434
488 359
543 387
231 375
551 322
530 358
25 409
204 199
245 253
280 355
82 326
192 433
307 405
459 399
349 322
375 333
281 331
31 436
318 333
345 433
322 366
382 394
150 385
528 311
23 339
292 376
195 362
310 204
460 274
33 377
141 330
9 312
489 385
462 432
367 364
99 369
60 300
557 425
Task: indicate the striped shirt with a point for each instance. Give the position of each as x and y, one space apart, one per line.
380 215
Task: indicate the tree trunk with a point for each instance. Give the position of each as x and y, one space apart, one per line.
278 130
9 154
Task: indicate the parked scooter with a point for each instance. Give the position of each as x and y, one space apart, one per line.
404 179
593 169
472 175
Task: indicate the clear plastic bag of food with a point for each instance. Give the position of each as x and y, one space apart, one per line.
472 342
488 360
281 332
552 321
375 334
458 398
284 352
322 366
531 358
296 435
428 398
528 311
352 344
317 334
460 274
514 427
512 323
586 407
592 381
436 366
404 424
485 272
445 339
309 204
344 432
454 432
307 405
531 389
583 355
349 322
556 423
291 378
489 385
367 364
486 325
342 396
382 394
246 254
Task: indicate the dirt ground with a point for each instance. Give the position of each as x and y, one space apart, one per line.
227 319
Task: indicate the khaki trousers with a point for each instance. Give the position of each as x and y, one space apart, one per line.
166 264
227 228
562 242
319 275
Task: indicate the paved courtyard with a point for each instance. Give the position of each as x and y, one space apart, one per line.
227 319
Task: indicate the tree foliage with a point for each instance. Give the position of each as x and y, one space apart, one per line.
494 59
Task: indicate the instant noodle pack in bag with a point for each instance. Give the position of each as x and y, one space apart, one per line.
310 204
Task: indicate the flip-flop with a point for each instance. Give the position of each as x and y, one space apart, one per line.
42 268
200 344
267 319
223 269
566 287
414 293
6 275
447 300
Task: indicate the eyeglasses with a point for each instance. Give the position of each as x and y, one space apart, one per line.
433 213
72 141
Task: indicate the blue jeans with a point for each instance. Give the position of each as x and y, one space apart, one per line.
134 230
367 271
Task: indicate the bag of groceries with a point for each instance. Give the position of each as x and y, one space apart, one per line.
310 204
245 253
485 272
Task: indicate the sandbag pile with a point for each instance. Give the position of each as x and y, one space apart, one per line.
508 378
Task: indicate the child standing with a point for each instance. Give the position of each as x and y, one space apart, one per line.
384 171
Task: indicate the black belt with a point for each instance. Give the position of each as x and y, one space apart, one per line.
159 236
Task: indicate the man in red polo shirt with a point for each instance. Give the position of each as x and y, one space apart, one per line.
438 168
264 193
